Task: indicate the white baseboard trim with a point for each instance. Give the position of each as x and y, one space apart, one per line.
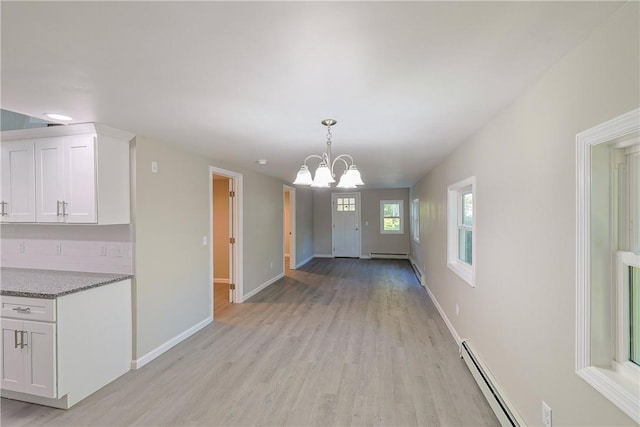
365 257
218 280
452 330
322 256
140 362
263 286
304 261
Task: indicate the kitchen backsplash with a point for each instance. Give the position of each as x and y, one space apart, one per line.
100 249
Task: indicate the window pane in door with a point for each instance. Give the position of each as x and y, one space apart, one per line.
464 245
634 314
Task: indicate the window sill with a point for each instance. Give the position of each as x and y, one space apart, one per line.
465 272
620 389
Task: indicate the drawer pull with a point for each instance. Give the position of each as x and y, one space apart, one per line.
15 338
22 310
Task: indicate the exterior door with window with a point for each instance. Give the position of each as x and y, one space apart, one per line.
346 224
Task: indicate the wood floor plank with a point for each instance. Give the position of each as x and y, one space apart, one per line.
338 342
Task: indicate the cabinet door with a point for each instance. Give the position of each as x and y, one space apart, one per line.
40 359
18 182
80 179
11 362
49 179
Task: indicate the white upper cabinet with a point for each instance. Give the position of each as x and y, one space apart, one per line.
49 179
80 174
18 187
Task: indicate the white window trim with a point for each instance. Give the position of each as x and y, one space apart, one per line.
382 230
613 384
465 271
415 220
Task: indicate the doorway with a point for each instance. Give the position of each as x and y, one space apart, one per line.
226 239
289 222
345 216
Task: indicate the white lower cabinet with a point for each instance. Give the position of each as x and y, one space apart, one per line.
29 357
56 352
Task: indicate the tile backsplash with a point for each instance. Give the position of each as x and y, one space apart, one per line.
100 249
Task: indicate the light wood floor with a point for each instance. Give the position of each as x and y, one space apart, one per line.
220 299
337 342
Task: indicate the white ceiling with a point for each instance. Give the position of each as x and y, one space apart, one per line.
239 81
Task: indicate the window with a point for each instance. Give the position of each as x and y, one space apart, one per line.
461 229
608 261
391 220
415 220
346 204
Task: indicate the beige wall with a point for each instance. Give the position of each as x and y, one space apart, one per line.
521 314
221 228
287 223
171 214
172 283
304 224
371 239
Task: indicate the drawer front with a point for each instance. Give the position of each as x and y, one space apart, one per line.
28 308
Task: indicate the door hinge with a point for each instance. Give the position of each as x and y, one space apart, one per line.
232 286
232 194
232 240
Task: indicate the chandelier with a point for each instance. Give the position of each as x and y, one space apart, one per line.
325 175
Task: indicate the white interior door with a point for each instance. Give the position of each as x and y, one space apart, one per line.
346 224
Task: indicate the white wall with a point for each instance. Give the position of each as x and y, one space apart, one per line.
521 315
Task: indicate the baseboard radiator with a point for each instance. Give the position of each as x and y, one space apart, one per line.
387 255
486 383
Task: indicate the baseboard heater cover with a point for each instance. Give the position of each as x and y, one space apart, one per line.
506 417
388 255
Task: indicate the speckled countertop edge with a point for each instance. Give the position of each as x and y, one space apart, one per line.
51 284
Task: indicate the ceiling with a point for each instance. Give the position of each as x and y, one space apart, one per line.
240 81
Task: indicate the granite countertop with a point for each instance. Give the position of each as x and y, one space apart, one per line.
51 284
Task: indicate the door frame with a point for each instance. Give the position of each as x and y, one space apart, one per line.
333 222
292 227
235 274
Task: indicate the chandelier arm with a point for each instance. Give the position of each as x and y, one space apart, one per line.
340 157
313 156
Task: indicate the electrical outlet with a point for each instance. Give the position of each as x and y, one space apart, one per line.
103 249
546 414
457 309
205 241
58 248
21 247
154 167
